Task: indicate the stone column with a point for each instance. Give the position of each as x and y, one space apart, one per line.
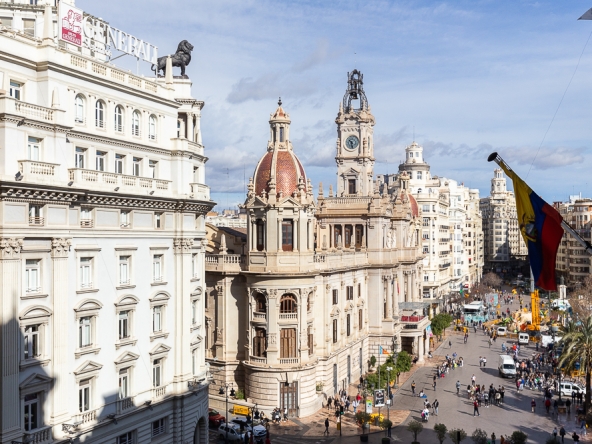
272 327
180 331
389 297
10 338
61 392
420 353
279 234
189 133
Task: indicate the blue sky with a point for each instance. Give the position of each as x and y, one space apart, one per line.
467 77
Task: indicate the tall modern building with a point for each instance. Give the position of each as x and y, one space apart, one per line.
505 250
322 282
102 208
573 262
451 235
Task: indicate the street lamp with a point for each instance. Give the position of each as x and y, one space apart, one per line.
390 397
224 391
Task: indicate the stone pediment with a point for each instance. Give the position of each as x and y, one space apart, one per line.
36 380
126 357
350 172
289 201
88 367
160 349
198 339
335 311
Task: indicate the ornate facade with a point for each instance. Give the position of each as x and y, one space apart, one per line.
102 205
323 283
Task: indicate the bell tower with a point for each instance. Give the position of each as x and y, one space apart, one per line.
355 141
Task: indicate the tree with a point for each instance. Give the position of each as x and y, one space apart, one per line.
480 436
440 322
581 299
363 418
441 430
492 280
578 348
372 361
403 362
416 428
453 434
519 437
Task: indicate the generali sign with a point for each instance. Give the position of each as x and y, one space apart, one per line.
86 31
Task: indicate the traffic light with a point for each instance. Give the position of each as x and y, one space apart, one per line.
341 410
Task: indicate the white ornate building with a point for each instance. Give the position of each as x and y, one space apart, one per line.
505 250
323 283
451 234
102 204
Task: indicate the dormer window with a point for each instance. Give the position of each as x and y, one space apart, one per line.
287 239
281 133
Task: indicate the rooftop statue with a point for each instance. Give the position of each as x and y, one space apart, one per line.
181 58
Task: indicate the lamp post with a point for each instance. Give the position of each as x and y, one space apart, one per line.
224 391
390 397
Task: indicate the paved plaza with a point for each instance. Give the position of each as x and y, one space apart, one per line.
456 411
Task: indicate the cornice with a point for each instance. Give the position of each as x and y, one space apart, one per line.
11 118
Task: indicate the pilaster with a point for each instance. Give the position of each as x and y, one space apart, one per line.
182 249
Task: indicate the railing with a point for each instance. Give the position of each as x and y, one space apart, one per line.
83 176
125 404
85 417
289 360
158 392
288 315
320 258
34 220
99 123
349 201
412 318
258 359
33 290
228 261
87 223
200 191
36 168
39 437
86 285
36 111
259 316
80 121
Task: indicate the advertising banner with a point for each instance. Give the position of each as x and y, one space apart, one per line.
70 24
379 398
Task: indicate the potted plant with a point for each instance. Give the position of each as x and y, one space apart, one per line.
363 420
386 424
319 386
480 436
416 428
519 437
441 430
457 435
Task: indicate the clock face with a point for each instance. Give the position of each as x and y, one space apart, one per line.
352 142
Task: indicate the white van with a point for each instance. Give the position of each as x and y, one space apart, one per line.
502 331
568 387
506 366
523 338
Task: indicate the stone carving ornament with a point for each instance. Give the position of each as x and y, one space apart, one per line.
181 58
10 248
60 247
182 245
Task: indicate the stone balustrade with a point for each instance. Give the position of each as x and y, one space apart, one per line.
224 262
42 436
125 404
38 171
200 191
30 111
109 181
86 417
158 392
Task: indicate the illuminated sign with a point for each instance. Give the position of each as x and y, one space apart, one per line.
86 31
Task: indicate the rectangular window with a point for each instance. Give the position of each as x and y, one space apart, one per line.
158 221
158 427
335 296
32 412
33 148
86 272
194 311
152 165
126 438
351 185
281 133
29 27
157 268
124 318
348 324
157 319
124 386
124 219
6 22
31 342
287 343
157 373
100 160
360 318
85 332
287 242
260 227
136 166
359 290
194 265
119 163
350 293
16 88
334 331
124 269
310 341
84 393
32 276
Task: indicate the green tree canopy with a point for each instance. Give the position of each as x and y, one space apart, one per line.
440 322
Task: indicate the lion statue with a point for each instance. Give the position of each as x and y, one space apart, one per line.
181 58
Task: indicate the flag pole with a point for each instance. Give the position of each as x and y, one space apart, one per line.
495 157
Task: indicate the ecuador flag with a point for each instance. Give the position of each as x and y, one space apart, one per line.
541 229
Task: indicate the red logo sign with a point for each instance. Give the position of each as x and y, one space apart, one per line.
70 24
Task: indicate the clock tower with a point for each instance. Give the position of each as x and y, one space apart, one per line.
355 141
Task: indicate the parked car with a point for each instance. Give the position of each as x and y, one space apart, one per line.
230 432
215 418
568 387
506 366
246 425
502 331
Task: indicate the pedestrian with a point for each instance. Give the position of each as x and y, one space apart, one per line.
247 438
413 388
476 408
532 405
480 361
326 426
449 344
473 380
490 342
484 361
547 405
493 438
457 387
575 437
583 425
267 439
568 405
329 402
562 433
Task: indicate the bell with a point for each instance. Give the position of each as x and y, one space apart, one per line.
221 391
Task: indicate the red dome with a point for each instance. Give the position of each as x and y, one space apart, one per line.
412 203
284 166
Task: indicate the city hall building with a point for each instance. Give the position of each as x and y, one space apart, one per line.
298 303
102 238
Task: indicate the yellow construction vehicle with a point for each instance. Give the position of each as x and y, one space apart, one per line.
536 314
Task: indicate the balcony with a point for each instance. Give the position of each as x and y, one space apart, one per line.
42 436
29 111
86 417
109 181
200 191
288 316
125 404
259 317
224 262
36 171
35 220
158 392
87 223
289 361
258 359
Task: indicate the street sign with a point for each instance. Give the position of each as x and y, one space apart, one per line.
379 398
369 406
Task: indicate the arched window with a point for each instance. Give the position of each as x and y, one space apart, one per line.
288 304
99 114
119 119
259 343
136 123
260 303
79 109
152 127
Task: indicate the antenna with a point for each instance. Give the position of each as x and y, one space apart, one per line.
413 133
228 182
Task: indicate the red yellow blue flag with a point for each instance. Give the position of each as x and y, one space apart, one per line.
540 225
382 351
